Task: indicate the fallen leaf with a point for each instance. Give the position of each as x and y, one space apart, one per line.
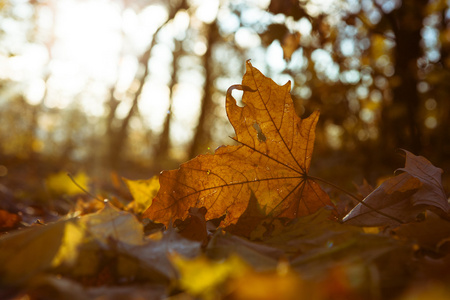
272 160
310 233
401 198
194 227
25 253
357 249
364 189
432 192
8 220
258 255
388 204
111 222
249 220
428 234
54 287
130 292
143 192
61 184
154 255
68 252
203 277
57 287
270 285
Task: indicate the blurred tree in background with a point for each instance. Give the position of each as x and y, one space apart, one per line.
377 70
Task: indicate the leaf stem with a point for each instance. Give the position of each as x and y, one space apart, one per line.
81 188
356 198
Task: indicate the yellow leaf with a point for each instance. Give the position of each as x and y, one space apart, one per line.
371 230
72 238
202 276
61 184
270 285
26 252
143 192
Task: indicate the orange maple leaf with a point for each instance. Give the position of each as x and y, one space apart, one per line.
272 160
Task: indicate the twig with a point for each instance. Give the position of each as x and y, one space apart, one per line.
83 189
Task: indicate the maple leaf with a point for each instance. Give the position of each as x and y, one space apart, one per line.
401 198
432 193
272 160
249 220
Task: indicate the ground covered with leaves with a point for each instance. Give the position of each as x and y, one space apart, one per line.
247 222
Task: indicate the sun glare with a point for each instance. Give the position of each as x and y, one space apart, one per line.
84 50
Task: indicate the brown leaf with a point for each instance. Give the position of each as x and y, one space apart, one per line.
8 220
310 233
272 160
432 193
194 227
249 220
364 189
401 198
391 198
153 255
428 234
258 255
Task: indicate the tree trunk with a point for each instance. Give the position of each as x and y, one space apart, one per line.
401 123
163 146
201 136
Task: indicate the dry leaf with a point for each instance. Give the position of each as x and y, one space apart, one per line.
391 198
194 227
9 220
143 192
272 160
111 222
203 277
258 255
25 253
249 220
310 233
154 255
428 234
432 193
61 184
401 198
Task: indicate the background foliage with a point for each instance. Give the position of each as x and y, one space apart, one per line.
377 71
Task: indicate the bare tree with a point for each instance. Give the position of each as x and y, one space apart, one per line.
117 135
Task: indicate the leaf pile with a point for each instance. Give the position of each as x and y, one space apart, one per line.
247 222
